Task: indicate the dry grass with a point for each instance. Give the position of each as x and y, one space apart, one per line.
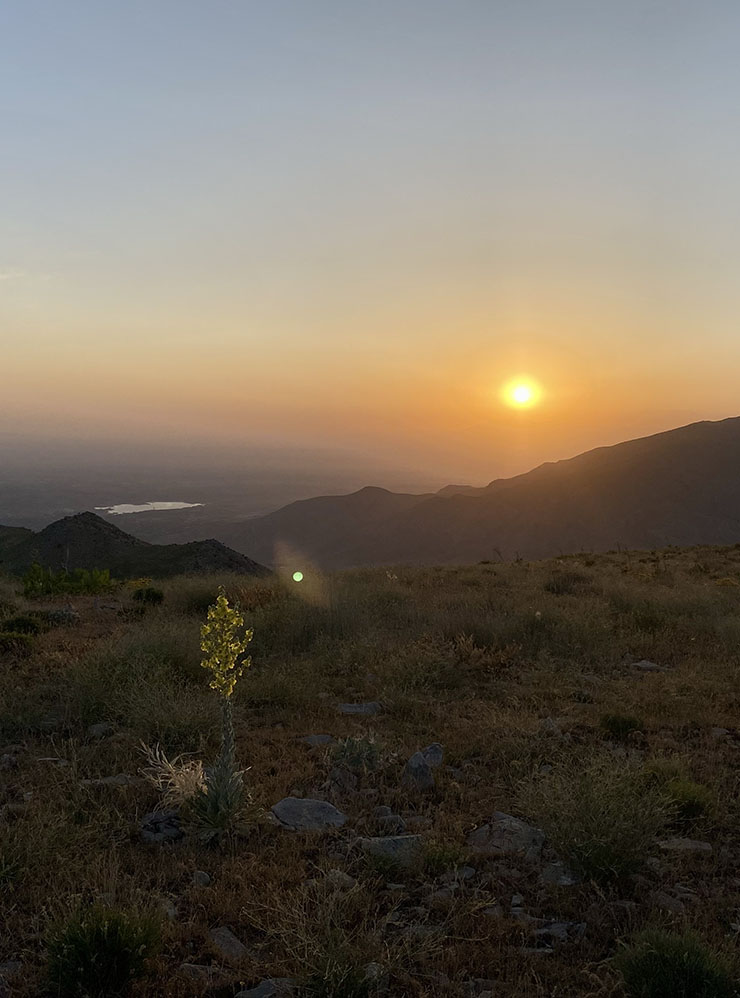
474 657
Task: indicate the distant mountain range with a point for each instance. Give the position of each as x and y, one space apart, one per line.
679 487
88 541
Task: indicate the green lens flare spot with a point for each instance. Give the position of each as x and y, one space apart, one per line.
297 576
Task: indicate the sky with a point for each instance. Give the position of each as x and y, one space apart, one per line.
343 226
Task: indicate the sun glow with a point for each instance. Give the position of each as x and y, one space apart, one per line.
521 393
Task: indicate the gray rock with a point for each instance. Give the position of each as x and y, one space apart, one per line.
361 709
666 902
231 948
314 740
434 754
560 932
274 987
417 774
306 815
201 879
341 880
685 846
400 850
719 733
168 909
119 780
459 875
560 875
340 778
161 826
506 835
645 666
382 811
62 617
101 730
550 727
391 824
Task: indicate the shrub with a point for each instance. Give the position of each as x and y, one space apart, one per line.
662 964
620 725
338 980
39 581
99 952
357 754
441 857
22 624
566 582
603 816
148 595
15 642
689 800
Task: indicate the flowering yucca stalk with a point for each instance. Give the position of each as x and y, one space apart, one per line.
215 808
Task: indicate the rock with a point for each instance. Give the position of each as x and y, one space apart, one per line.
400 850
307 815
506 835
168 909
459 875
433 754
361 709
101 730
341 880
645 666
119 780
231 948
550 728
342 779
201 879
315 740
161 826
685 846
420 822
391 824
557 873
659 899
273 987
719 733
494 911
382 811
417 774
560 932
62 617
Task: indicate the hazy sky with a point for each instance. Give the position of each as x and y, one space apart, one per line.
348 223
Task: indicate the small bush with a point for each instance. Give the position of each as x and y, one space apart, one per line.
441 857
100 952
148 595
566 583
23 624
601 815
357 754
39 581
15 642
689 800
673 965
620 725
338 980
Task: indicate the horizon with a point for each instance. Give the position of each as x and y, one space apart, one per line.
353 232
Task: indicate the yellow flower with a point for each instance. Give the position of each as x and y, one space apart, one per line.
223 641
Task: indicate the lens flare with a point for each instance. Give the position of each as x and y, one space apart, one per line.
297 576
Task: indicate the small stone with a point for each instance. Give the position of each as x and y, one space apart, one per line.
168 909
459 875
101 730
382 811
340 879
550 727
685 846
494 911
557 873
719 733
201 879
506 835
391 824
274 987
228 945
417 774
645 666
433 754
517 901
560 932
306 815
316 740
161 826
361 709
401 850
659 899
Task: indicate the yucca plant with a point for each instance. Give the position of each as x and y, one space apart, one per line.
213 800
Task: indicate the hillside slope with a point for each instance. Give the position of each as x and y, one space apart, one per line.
678 487
88 541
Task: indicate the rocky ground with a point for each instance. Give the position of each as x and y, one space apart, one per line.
468 782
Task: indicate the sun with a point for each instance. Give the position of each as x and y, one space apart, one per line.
521 393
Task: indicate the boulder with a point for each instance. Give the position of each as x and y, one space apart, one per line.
506 835
399 850
417 774
161 826
228 946
302 814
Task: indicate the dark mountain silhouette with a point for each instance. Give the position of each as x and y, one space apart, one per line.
679 487
88 541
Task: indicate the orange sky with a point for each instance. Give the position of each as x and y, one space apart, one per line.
348 227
